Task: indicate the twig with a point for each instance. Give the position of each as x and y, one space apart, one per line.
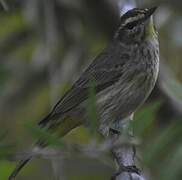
125 156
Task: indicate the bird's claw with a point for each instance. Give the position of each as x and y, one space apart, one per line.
129 169
114 131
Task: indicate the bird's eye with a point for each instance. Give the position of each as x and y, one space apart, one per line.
129 26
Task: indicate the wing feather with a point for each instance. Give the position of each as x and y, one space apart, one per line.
104 71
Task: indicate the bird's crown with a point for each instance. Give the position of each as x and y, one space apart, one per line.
136 22
136 16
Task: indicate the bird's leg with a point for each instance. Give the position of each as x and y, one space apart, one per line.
115 129
124 154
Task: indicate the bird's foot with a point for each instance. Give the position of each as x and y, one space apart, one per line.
129 169
114 131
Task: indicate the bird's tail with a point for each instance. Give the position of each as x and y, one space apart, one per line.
24 161
61 128
19 166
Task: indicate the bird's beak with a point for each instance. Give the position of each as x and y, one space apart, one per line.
149 12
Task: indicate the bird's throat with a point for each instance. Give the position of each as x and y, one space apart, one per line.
150 31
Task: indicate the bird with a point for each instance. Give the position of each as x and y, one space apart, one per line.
123 74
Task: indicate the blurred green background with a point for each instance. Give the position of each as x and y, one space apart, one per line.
44 46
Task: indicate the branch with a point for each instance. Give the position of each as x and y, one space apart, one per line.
125 155
121 147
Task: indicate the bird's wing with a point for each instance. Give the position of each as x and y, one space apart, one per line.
104 71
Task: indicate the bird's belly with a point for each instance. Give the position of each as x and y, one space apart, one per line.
122 99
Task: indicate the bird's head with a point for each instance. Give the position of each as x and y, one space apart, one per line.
136 25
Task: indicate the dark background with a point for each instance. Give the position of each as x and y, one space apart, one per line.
44 46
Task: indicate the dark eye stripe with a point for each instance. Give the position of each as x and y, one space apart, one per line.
132 22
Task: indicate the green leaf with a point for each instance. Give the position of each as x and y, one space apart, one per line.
145 118
91 109
41 133
11 23
6 149
163 143
173 164
5 169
